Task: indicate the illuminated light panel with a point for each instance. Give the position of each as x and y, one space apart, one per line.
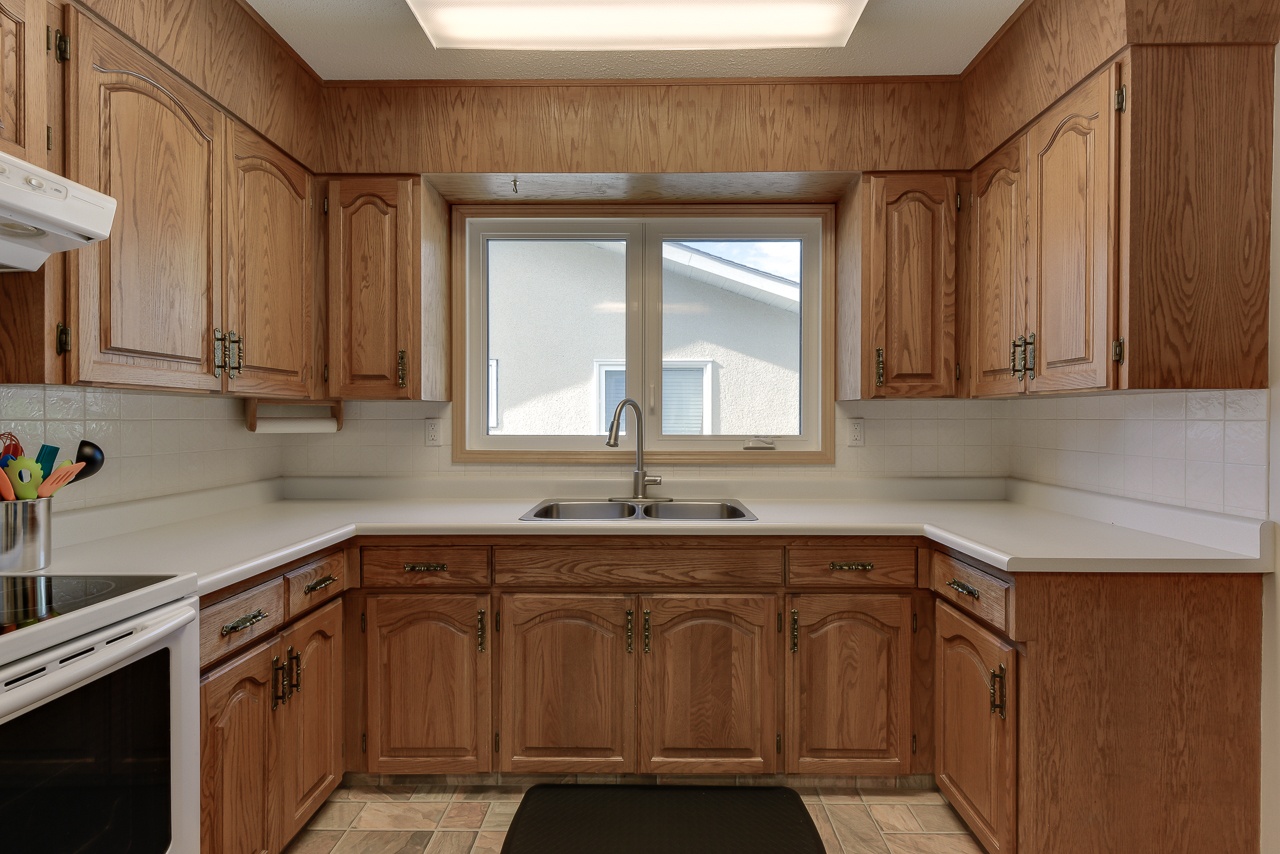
636 24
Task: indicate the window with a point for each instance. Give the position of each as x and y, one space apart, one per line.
713 325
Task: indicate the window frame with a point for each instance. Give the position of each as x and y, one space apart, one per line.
470 320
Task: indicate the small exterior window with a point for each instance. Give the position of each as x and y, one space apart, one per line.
687 406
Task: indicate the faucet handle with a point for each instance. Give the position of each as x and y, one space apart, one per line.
652 479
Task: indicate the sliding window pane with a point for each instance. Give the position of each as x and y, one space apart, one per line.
733 306
557 314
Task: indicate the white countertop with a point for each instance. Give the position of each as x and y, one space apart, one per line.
1029 532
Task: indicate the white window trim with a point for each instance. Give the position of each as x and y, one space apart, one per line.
493 393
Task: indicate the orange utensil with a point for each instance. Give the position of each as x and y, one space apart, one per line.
6 488
60 478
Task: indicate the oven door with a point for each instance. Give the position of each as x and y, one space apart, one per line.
99 741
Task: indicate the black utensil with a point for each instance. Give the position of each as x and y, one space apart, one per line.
91 455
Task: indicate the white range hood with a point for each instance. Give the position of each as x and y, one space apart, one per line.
42 213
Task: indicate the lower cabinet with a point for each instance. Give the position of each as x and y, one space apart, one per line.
976 712
429 672
848 677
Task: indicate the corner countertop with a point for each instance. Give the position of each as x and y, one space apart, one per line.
1029 530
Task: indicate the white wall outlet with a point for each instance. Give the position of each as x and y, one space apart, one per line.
856 436
433 432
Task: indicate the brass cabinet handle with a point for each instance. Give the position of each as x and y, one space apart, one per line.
426 567
279 675
295 660
631 630
1031 356
856 566
998 707
795 630
244 622
319 584
879 366
402 368
480 628
965 589
646 630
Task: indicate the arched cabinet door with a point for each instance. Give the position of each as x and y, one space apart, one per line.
144 302
848 675
707 676
24 69
977 719
428 671
999 294
568 683
269 209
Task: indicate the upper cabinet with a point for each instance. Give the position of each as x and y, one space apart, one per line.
143 304
269 206
24 60
908 285
375 298
997 287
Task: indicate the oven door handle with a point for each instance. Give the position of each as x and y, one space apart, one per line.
104 657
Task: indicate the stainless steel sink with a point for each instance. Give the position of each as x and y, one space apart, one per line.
572 510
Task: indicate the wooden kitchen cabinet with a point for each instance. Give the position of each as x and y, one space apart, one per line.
908 285
429 682
23 68
568 684
240 753
708 666
848 684
143 304
375 292
311 764
269 205
976 739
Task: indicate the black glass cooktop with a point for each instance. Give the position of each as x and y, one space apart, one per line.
26 600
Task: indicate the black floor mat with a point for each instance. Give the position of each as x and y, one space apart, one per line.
555 819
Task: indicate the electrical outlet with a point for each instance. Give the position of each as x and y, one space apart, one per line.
433 432
856 436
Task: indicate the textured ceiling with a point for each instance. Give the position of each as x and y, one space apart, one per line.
381 40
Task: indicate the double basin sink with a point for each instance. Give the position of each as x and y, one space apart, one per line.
578 511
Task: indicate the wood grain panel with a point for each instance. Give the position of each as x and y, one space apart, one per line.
268 598
628 127
311 721
1140 707
848 683
429 684
923 679
269 207
435 294
642 188
146 300
1195 256
848 343
239 756
977 757
994 602
300 599
831 567
450 566
636 566
568 684
707 684
1222 22
999 289
24 67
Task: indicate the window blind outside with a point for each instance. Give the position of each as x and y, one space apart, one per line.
615 389
682 401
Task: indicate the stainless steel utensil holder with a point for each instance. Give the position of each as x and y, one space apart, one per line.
26 535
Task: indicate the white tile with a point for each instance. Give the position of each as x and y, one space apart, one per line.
923 408
1246 443
1087 408
104 434
951 409
1087 436
1245 487
63 403
897 458
979 408
165 406
1247 405
101 403
1111 436
924 458
899 408
1205 405
1110 406
1111 474
924 432
951 458
1137 406
897 431
63 435
135 406
977 459
873 432
1138 475
1169 439
1169 478
977 431
1204 441
135 438
21 402
1204 482
1087 469
1137 438
1169 406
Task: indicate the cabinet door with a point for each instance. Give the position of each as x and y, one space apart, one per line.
146 300
909 286
848 667
977 705
24 65
374 289
568 684
311 721
708 667
1070 270
239 754
999 295
429 684
269 209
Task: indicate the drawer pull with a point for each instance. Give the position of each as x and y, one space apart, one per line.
997 707
279 696
856 566
426 567
244 622
295 661
480 628
965 589
646 631
795 630
319 584
631 630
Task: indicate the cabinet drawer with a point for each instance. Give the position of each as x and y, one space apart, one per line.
447 566
974 591
551 566
316 582
241 619
855 566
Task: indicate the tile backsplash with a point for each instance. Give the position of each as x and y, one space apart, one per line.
1201 449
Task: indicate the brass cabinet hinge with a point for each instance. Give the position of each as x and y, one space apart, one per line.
879 366
1022 356
326 207
48 39
497 622
647 629
402 369
957 373
957 201
778 744
779 622
218 341
914 626
631 631
1031 356
63 344
364 742
48 137
1117 351
62 46
326 373
294 660
795 630
913 742
235 355
480 629
362 623
1122 99
997 707
495 742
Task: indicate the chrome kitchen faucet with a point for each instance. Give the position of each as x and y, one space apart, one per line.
640 479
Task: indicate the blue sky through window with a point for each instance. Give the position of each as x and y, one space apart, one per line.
777 257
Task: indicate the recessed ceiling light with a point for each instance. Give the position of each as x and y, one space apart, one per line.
637 24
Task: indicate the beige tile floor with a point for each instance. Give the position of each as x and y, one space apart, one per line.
442 819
